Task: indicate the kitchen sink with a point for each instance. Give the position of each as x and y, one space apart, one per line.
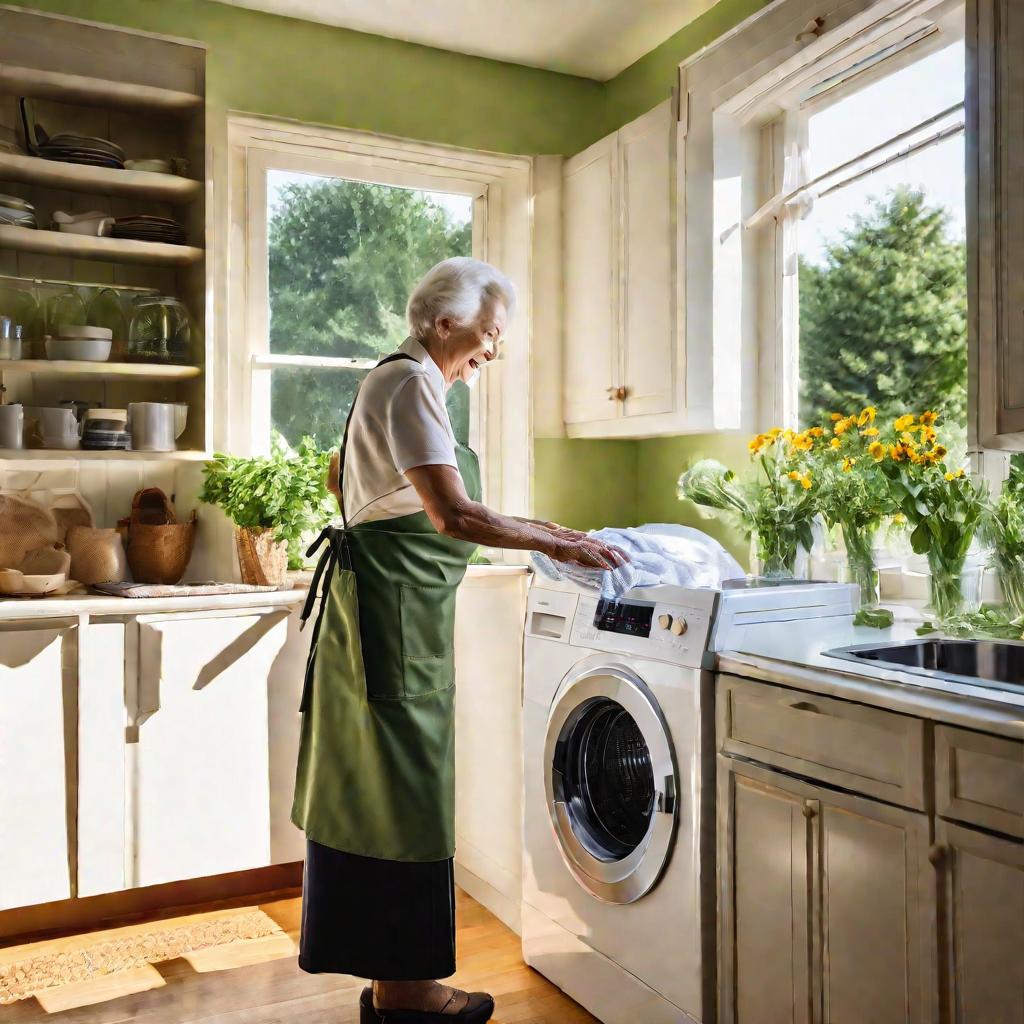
998 664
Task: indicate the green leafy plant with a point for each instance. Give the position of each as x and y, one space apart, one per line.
285 490
1003 529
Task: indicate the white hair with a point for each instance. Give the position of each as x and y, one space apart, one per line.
457 288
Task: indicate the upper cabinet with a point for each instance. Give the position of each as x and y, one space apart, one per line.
625 345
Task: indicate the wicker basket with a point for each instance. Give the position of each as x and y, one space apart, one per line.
160 553
263 561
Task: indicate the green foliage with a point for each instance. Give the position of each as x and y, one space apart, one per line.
883 321
343 258
285 490
875 618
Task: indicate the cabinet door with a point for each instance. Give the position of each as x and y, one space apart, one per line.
648 247
591 285
877 912
37 762
198 767
984 911
827 907
765 915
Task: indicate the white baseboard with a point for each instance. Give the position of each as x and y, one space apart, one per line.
506 910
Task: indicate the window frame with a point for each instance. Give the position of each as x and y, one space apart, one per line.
501 190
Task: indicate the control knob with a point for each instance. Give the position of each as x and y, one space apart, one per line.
679 626
665 621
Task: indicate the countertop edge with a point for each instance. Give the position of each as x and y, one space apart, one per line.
901 696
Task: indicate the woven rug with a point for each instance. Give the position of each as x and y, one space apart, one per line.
28 970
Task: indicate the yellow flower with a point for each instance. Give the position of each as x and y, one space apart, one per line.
876 450
929 418
899 518
816 432
793 475
955 476
841 427
848 464
930 458
805 482
940 451
896 452
927 434
869 432
867 416
836 417
904 422
836 443
773 433
908 439
801 442
756 444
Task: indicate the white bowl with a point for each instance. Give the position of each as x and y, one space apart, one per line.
68 331
13 582
91 350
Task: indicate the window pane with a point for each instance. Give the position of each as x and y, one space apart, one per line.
344 255
883 287
886 108
315 402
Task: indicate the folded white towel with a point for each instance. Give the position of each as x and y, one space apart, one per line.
659 553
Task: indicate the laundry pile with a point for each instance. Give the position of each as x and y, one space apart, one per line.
659 553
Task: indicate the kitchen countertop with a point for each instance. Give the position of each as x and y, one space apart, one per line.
795 658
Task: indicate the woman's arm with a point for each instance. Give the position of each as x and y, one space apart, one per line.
455 514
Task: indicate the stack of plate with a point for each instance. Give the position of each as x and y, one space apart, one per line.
17 212
81 149
149 229
106 430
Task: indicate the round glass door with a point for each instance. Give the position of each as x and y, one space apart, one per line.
611 784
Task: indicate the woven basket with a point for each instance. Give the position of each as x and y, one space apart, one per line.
160 554
263 561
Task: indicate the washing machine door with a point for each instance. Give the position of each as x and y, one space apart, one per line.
611 783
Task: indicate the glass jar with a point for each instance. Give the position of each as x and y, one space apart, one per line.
160 331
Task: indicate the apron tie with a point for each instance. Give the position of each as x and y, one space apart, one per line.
325 572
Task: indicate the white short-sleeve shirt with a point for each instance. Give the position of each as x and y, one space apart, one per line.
399 422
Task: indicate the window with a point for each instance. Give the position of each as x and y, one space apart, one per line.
342 258
327 232
881 244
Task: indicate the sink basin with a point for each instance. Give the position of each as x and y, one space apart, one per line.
998 664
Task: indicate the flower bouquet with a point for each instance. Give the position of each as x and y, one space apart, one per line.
776 503
943 506
854 493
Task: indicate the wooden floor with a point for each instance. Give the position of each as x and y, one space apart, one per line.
277 992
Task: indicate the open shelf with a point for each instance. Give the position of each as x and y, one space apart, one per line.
54 455
34 170
87 247
98 92
102 371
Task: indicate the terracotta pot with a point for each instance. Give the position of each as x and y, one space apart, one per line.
97 555
160 554
263 561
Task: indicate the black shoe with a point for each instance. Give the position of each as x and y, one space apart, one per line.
477 1011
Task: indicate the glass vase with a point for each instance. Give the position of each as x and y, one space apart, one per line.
776 554
860 563
1011 582
954 585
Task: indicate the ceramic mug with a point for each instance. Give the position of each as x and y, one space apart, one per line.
55 427
12 426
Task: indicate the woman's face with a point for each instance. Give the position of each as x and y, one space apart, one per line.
467 347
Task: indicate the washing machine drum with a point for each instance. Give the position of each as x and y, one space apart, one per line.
611 783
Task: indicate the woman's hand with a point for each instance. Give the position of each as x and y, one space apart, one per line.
590 553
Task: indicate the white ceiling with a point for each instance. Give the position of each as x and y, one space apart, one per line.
593 38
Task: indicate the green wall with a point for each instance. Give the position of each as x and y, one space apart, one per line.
265 64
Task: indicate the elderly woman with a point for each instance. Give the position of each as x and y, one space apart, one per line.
375 784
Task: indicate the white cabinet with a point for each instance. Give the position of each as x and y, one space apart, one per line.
827 909
198 773
37 761
984 898
625 361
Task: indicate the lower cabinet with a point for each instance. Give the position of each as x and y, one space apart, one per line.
826 905
983 894
38 721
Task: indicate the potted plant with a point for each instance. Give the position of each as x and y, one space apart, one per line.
273 500
777 503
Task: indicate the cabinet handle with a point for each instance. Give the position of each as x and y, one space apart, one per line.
809 809
803 705
616 394
937 853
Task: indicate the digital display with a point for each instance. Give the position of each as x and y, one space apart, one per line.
633 619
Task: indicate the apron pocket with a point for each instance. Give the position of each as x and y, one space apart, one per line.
428 638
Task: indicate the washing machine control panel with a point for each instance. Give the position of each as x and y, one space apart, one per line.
651 629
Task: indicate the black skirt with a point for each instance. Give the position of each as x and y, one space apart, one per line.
384 920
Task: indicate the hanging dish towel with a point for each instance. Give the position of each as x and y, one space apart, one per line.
660 553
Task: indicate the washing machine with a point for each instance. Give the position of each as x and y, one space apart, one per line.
618 754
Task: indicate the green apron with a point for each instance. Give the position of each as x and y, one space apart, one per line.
376 767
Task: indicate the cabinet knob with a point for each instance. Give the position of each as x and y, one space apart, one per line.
616 394
809 810
937 853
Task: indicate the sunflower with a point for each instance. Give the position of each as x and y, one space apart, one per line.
848 464
876 450
835 443
867 416
928 418
955 476
904 422
869 432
